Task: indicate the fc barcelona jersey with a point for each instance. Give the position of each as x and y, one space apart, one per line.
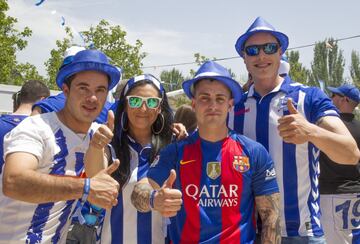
218 181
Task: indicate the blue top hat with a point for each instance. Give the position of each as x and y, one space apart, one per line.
87 60
213 70
261 25
347 90
131 82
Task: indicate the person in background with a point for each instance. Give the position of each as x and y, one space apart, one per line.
292 122
186 116
339 185
218 175
142 127
31 92
44 157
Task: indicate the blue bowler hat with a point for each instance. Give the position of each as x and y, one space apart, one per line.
347 90
261 25
87 60
213 70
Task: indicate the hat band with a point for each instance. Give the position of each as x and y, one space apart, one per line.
261 28
144 77
207 74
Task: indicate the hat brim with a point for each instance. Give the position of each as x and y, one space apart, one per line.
335 90
74 68
283 39
233 85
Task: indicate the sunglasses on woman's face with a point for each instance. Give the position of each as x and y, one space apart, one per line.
137 101
268 48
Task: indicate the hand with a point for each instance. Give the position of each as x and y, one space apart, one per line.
104 189
167 200
179 130
104 133
294 128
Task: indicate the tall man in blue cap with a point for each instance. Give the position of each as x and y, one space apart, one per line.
292 122
45 152
218 175
340 184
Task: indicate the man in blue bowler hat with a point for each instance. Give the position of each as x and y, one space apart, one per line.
293 122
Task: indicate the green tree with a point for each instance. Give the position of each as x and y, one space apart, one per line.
13 40
328 64
297 71
109 39
355 68
172 79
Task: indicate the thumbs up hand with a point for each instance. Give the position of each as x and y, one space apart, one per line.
104 133
103 188
294 128
167 200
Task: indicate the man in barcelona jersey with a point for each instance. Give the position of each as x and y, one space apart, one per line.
292 122
210 182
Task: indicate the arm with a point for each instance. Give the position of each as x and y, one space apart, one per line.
268 208
96 157
32 186
330 135
166 200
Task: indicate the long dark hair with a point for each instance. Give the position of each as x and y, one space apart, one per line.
120 139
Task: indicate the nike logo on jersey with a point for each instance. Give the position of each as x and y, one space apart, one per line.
186 162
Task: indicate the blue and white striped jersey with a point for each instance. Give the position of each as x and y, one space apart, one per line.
123 224
297 166
59 151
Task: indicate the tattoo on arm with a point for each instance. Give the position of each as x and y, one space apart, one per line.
140 197
268 208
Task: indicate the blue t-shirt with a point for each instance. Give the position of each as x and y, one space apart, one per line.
219 182
7 123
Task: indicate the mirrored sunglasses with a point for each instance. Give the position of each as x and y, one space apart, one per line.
268 48
137 101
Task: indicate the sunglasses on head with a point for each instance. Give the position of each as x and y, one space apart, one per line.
268 48
137 101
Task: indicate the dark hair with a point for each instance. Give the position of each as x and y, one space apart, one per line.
185 115
32 91
120 139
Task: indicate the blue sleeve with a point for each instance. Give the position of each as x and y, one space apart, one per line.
51 104
264 176
160 169
319 104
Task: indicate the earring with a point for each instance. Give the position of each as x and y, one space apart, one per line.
123 122
161 116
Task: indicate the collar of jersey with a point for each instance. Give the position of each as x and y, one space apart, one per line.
137 146
284 86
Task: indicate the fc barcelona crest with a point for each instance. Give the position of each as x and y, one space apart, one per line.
241 163
213 170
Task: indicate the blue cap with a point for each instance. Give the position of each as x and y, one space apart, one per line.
87 60
213 70
131 82
261 25
347 90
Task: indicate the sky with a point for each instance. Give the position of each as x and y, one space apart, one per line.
173 31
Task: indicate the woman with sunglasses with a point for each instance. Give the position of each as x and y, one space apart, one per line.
143 125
